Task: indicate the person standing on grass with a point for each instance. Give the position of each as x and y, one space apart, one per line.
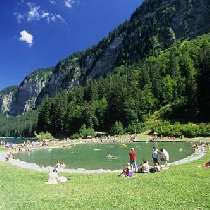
155 155
132 155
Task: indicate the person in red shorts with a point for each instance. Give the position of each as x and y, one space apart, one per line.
133 157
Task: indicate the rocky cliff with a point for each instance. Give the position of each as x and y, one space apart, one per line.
82 67
6 98
25 96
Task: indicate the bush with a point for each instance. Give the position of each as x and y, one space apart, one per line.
135 128
84 132
44 136
117 129
75 136
177 129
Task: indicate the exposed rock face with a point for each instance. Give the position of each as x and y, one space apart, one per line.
66 75
28 91
25 97
154 26
6 98
78 70
107 61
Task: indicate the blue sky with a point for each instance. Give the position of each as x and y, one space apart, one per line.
39 33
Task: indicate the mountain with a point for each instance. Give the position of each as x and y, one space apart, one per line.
16 100
6 98
153 27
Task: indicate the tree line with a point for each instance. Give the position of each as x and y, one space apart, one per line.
21 126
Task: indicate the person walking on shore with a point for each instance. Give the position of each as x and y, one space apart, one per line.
132 155
164 157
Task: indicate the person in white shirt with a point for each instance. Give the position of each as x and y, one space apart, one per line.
63 165
144 168
157 167
164 157
54 178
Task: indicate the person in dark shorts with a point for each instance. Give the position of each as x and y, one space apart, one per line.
155 155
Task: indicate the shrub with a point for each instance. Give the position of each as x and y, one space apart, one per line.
117 129
84 132
135 128
75 136
177 129
44 136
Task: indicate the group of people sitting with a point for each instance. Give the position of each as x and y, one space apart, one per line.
157 155
143 168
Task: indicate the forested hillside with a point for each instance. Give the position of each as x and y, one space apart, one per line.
154 26
177 78
21 126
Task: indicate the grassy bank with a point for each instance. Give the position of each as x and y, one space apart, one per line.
180 187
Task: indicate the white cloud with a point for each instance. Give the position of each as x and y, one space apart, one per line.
52 1
26 37
69 3
19 17
35 13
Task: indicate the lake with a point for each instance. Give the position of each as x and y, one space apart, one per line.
103 156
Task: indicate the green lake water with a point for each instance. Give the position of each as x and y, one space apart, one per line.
103 156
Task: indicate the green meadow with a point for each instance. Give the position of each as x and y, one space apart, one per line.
180 187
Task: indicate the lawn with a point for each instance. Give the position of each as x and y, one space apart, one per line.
180 187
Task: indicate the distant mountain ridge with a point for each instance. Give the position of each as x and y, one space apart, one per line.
153 27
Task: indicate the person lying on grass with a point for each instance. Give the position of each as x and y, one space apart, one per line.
54 178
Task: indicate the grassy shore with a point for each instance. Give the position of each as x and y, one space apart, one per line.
180 187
